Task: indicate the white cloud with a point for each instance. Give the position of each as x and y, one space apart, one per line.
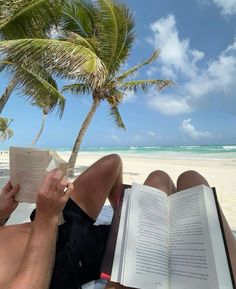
228 7
176 55
192 132
169 105
129 97
194 83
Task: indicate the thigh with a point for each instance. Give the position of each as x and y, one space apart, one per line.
95 184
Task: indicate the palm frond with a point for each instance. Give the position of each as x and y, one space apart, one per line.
27 18
107 32
114 96
77 39
40 89
114 112
5 131
125 37
3 65
79 17
134 69
63 58
77 88
145 84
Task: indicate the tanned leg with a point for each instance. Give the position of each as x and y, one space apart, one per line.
161 181
100 181
190 179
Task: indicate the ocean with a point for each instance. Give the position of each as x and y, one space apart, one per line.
178 152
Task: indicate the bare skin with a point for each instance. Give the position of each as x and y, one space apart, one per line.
162 181
90 190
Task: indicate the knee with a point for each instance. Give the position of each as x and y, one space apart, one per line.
190 179
161 180
158 175
113 161
190 174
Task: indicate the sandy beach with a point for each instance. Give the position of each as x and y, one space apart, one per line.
219 173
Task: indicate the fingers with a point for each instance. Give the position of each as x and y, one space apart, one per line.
55 181
8 186
61 186
10 190
70 188
52 179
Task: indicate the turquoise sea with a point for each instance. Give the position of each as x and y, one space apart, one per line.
178 152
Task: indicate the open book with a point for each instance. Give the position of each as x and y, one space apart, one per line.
28 167
171 242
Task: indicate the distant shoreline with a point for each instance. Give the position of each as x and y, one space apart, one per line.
194 152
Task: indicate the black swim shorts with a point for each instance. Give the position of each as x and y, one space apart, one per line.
79 249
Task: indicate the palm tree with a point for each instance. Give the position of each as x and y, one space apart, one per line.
47 103
106 28
94 39
44 115
24 19
5 131
21 20
35 56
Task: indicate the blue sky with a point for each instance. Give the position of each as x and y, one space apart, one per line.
197 40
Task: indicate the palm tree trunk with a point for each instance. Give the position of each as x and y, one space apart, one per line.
4 98
84 127
44 115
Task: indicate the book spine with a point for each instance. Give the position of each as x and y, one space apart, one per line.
108 256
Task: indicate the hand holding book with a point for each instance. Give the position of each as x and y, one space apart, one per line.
28 167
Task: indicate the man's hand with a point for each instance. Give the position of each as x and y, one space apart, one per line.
7 202
53 195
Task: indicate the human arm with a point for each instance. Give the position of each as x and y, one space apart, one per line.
7 202
37 263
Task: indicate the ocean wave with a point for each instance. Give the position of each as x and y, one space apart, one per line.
189 147
133 148
229 148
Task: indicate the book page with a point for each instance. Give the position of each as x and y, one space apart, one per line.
146 248
28 168
192 263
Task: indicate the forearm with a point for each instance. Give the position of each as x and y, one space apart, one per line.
37 263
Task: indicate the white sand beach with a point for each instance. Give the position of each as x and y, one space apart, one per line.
219 173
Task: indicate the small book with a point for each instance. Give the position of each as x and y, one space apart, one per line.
28 166
170 242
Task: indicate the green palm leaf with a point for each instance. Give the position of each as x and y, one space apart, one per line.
5 131
60 57
77 88
77 39
28 18
125 37
145 84
79 18
107 32
116 116
40 89
134 69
